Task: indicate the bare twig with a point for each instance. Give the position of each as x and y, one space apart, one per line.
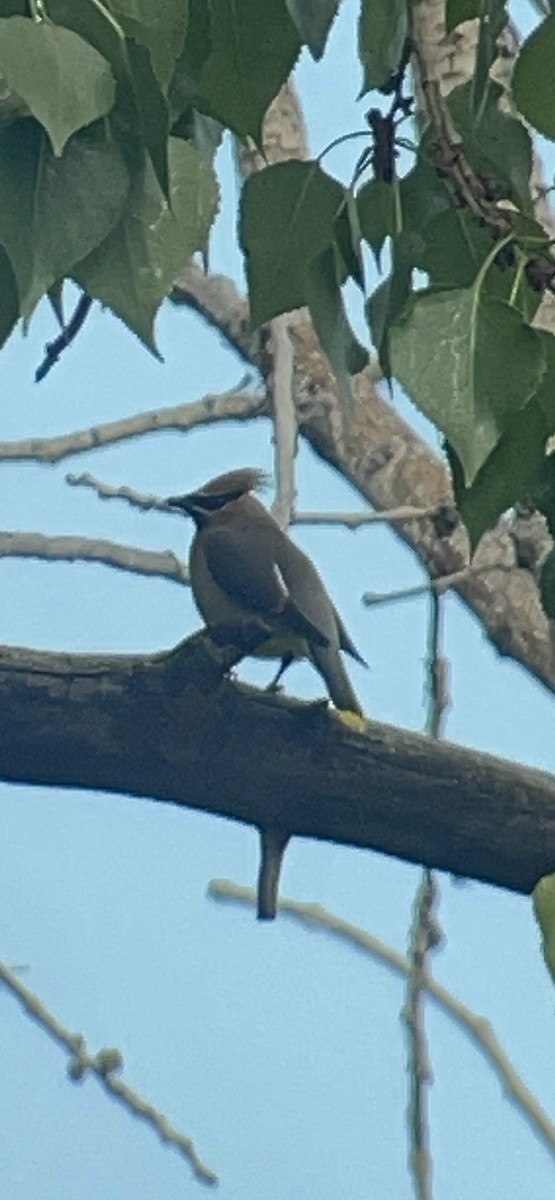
419 1068
284 415
425 936
476 1027
145 501
436 669
356 520
436 587
104 1066
148 502
53 350
63 548
225 406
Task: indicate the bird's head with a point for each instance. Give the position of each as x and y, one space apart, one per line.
214 496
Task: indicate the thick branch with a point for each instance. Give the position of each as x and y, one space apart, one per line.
391 466
171 728
377 451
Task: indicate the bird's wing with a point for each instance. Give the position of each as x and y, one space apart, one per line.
346 642
242 562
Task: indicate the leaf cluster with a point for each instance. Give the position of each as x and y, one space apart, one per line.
111 113
452 320
106 173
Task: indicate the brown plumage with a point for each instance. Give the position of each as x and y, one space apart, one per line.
244 566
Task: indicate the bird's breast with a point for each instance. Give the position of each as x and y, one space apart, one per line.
216 607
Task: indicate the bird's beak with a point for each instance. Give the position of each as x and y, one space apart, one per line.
181 502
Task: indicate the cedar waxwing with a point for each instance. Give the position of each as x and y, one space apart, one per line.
243 566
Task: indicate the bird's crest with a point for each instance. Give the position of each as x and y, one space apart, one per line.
234 484
220 491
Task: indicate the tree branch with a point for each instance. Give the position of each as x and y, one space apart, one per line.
478 1029
104 1066
391 466
225 406
284 416
65 548
53 350
171 728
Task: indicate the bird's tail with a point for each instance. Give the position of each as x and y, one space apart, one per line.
328 661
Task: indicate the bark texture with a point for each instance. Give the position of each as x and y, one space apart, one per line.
174 728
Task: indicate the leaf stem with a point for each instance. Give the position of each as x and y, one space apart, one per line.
504 241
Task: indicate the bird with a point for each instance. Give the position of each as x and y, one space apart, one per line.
244 567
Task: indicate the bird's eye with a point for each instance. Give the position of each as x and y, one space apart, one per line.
211 503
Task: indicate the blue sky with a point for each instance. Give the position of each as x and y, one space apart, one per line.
280 1051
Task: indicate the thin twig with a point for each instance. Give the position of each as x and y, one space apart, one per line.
145 501
104 1066
162 564
425 936
437 586
354 520
419 1068
477 1028
224 406
53 350
284 415
437 671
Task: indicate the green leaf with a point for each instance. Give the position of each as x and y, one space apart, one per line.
204 133
545 394
390 297
470 363
454 247
493 19
376 213
457 11
254 48
547 586
288 214
9 300
160 27
134 268
313 20
534 78
542 491
507 474
196 48
65 83
78 200
347 239
499 147
96 25
53 211
423 194
542 488
382 30
152 110
20 147
55 295
11 105
544 910
323 296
